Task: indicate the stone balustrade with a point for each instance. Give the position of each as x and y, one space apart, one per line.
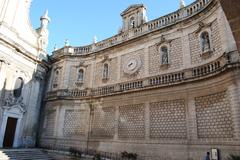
179 15
192 74
165 79
83 50
103 90
206 69
131 85
148 27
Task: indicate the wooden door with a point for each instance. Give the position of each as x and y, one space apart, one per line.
10 132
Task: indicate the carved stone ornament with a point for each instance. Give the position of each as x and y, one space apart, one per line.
81 64
132 65
39 75
201 26
106 58
11 102
162 41
57 67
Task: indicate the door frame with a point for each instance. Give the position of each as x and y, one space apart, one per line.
17 112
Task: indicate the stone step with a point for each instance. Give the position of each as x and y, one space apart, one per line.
24 154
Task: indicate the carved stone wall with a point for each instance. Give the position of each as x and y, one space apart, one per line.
176 54
168 120
175 57
124 59
215 40
214 118
49 124
73 77
103 122
113 70
131 122
74 123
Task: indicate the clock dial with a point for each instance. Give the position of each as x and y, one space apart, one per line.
132 65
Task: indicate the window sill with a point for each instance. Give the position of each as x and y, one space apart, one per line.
80 83
105 79
164 66
206 54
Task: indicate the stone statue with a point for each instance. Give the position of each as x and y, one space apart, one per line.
95 39
205 42
164 55
182 4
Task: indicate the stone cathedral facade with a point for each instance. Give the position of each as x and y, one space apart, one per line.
167 88
23 66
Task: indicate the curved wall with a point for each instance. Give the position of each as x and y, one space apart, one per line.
177 108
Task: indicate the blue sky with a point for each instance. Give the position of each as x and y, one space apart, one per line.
79 20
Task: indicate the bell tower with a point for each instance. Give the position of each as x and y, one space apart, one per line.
133 16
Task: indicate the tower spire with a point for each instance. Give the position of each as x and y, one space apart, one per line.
182 4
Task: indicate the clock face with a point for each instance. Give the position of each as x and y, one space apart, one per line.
132 65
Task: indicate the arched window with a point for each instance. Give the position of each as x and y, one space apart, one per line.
132 22
56 75
18 87
105 71
205 41
164 55
80 75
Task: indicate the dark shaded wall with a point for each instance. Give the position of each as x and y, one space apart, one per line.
232 11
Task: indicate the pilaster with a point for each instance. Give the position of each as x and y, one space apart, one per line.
186 50
119 68
191 119
233 93
66 74
60 122
147 121
116 123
